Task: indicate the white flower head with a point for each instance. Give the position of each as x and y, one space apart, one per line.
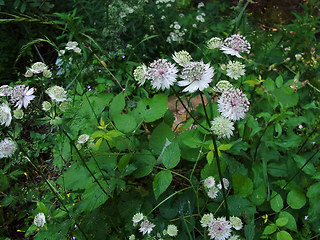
222 127
47 73
146 227
137 217
38 67
183 58
7 148
5 90
132 237
225 184
162 74
172 230
219 229
83 138
213 192
235 69
233 104
222 86
235 44
214 43
18 113
46 106
236 223
298 56
28 73
39 220
21 95
206 220
77 50
71 45
209 182
64 106
197 76
140 74
5 114
57 93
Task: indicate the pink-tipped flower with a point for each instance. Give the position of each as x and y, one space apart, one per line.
235 44
21 95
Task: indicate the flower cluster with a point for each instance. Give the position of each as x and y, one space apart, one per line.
220 228
222 127
177 33
236 44
235 69
140 74
57 93
183 58
37 68
213 189
214 43
145 226
73 46
7 148
21 95
5 114
39 220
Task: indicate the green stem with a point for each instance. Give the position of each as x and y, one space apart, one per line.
305 141
84 163
216 157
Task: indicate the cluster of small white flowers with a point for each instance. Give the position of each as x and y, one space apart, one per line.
298 56
235 69
177 33
128 10
57 93
214 43
145 226
140 74
162 74
39 220
83 138
72 46
46 106
197 76
213 189
222 127
5 114
5 90
220 228
183 58
171 230
18 113
233 104
235 44
21 95
164 1
200 17
7 148
222 86
38 67
200 5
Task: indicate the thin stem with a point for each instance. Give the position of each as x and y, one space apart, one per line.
216 157
84 163
305 141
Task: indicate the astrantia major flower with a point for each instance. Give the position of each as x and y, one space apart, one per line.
222 127
209 182
7 148
46 106
235 44
5 90
137 217
233 104
39 220
213 192
57 93
214 43
21 95
183 58
162 74
172 230
146 227
235 69
5 114
71 45
18 113
225 184
196 76
140 74
236 223
206 220
38 67
222 86
219 229
83 138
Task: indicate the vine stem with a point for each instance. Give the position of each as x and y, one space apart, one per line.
216 157
58 196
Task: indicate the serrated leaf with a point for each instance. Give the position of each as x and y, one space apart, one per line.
161 182
296 199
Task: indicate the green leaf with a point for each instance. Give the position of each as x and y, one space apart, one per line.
282 221
259 195
41 207
170 156
240 206
125 123
296 199
124 161
75 178
269 229
269 84
286 96
292 225
283 235
144 162
279 81
117 105
242 185
276 202
161 182
159 136
114 134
